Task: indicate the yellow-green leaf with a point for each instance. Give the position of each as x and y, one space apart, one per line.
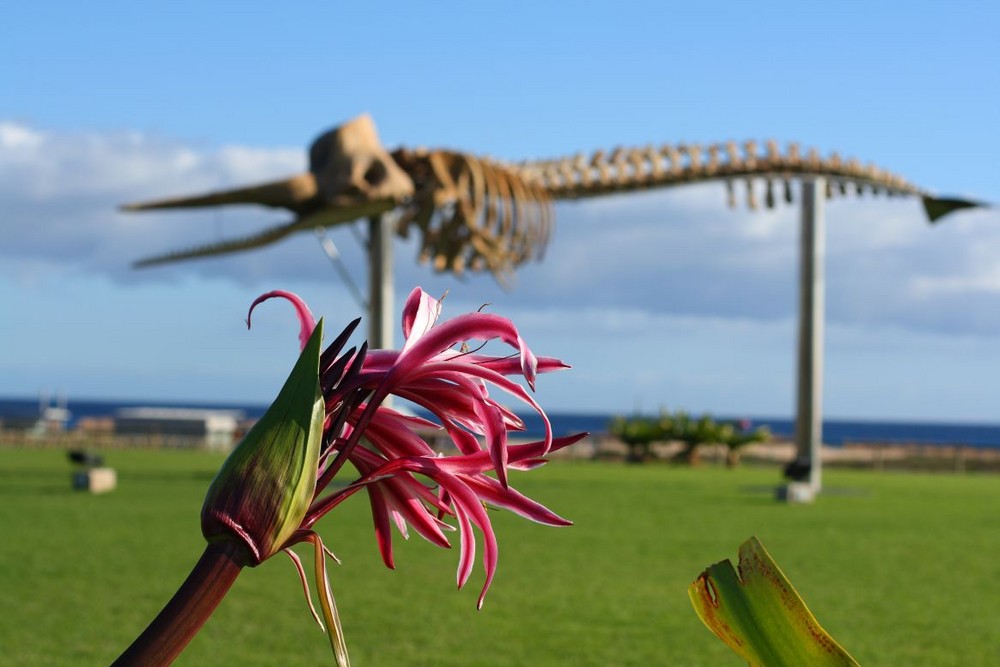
758 613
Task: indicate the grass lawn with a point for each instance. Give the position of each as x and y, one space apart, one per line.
901 568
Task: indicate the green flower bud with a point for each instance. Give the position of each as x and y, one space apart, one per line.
260 495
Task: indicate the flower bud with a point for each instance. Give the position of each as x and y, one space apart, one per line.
260 495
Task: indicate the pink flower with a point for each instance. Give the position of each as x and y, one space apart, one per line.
438 372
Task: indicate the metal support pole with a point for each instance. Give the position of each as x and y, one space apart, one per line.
380 297
809 404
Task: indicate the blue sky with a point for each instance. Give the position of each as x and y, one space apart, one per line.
660 299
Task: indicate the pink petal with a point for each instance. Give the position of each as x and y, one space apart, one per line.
490 491
512 366
467 547
465 441
306 321
380 360
419 315
477 462
470 326
436 368
452 398
496 438
404 421
400 524
394 441
463 497
380 515
401 485
413 512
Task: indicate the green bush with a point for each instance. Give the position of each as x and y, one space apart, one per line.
639 433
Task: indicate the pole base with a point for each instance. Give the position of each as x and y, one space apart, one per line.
797 493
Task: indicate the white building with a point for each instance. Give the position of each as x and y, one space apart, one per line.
215 429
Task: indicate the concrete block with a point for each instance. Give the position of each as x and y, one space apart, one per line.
95 480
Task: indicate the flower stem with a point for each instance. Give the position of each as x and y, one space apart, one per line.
177 624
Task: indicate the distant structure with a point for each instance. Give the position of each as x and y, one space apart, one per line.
213 429
476 213
480 214
51 418
483 214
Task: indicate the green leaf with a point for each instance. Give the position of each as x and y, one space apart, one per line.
758 613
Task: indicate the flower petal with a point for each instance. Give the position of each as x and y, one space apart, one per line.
496 438
470 326
380 515
500 381
306 320
419 315
491 492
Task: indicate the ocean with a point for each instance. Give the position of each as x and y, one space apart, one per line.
836 432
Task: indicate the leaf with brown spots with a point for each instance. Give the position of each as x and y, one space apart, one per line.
758 613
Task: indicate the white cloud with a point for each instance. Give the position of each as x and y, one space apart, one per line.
59 194
678 252
14 136
987 281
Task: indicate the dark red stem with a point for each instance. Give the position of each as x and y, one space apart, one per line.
187 611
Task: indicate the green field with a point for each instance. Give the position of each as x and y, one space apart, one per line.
901 568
